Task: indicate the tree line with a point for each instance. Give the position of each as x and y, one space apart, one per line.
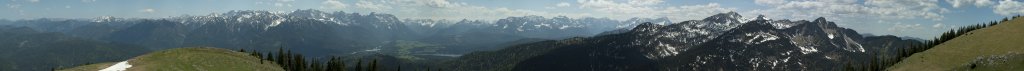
297 62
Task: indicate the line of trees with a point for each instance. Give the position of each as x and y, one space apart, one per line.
297 62
880 62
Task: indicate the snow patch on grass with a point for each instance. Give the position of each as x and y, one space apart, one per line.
120 66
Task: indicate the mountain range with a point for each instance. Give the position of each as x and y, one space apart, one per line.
314 30
320 34
725 41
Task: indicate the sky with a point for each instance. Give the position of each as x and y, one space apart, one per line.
915 18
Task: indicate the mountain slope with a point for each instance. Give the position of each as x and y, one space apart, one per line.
90 67
514 57
24 49
506 59
766 45
998 40
193 59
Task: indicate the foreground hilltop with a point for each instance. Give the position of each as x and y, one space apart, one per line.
191 59
993 48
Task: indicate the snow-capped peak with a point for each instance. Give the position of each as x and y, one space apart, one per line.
274 23
104 19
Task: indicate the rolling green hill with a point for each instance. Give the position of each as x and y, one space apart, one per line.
994 48
90 67
192 59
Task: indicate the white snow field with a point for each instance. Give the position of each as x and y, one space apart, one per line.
120 66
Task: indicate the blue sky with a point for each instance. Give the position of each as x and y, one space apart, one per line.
916 18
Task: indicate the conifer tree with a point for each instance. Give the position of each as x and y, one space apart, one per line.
373 66
342 66
282 58
299 63
258 56
359 65
330 65
316 65
1005 19
269 57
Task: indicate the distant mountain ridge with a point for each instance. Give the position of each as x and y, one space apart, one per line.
723 41
327 33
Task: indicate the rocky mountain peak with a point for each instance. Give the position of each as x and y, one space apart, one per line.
724 16
761 17
309 13
647 27
820 19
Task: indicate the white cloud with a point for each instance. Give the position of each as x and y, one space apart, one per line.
563 4
769 2
938 25
906 9
13 6
1009 7
333 4
647 9
88 0
870 9
976 3
33 1
904 28
644 2
682 13
21 12
367 4
434 3
281 3
147 10
444 9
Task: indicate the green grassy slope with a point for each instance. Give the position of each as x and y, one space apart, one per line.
995 63
192 59
1003 39
90 67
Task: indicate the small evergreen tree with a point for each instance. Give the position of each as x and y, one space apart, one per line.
373 66
343 66
316 65
269 57
359 65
